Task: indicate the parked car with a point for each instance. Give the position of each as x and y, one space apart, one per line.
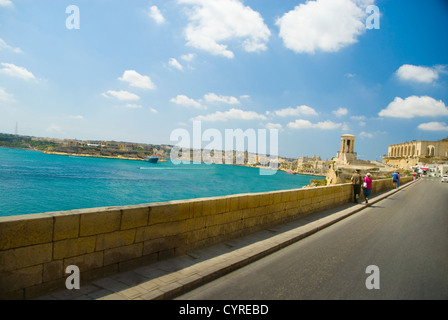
444 179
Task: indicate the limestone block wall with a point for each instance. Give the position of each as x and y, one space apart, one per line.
36 249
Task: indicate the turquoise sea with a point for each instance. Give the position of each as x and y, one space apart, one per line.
34 182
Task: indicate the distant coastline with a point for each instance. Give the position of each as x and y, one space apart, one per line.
118 150
119 157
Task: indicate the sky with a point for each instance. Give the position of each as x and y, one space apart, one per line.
139 70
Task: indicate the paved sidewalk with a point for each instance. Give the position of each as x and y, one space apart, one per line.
169 278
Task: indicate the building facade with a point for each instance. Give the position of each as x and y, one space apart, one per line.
408 154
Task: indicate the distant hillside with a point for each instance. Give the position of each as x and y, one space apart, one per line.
138 151
83 148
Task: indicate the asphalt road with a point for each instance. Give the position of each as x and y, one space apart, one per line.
405 236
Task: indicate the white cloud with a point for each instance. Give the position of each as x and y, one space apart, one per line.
415 107
156 15
133 106
153 110
137 80
274 126
366 134
327 125
5 3
300 124
4 45
326 25
340 112
188 57
17 72
433 126
217 21
420 74
297 111
212 97
121 95
305 124
5 96
232 114
185 101
175 64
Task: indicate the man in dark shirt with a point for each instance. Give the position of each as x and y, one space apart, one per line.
356 181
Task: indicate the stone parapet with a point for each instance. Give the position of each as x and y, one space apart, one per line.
36 249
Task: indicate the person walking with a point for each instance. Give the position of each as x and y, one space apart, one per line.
367 187
396 179
356 181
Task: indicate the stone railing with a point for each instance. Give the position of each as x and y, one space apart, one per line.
36 249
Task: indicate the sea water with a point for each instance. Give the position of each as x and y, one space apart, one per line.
35 182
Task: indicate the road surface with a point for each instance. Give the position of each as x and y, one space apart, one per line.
404 237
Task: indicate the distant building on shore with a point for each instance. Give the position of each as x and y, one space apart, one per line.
408 154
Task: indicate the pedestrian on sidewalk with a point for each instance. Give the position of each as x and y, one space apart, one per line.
396 179
367 187
356 181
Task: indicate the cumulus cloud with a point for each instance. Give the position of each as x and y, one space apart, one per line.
155 14
306 124
137 80
5 96
232 114
133 106
212 97
16 71
419 74
366 134
188 57
323 25
185 101
276 126
415 107
340 112
5 3
4 45
175 64
297 111
121 95
214 22
433 126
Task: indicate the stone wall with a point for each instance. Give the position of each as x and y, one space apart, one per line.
36 249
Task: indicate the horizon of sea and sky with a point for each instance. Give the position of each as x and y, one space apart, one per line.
35 182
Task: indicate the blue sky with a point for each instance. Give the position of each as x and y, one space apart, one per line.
137 70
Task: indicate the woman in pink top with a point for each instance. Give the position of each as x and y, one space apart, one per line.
367 187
